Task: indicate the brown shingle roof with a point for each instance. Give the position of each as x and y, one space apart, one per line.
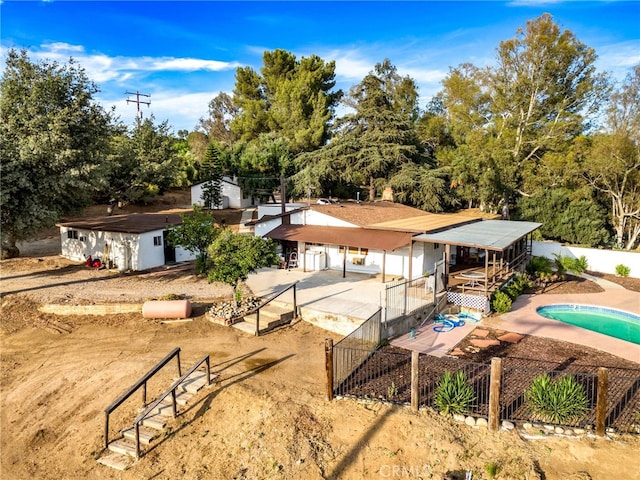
132 223
366 214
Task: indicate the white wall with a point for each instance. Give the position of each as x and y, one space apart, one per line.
276 208
231 195
127 251
311 217
603 261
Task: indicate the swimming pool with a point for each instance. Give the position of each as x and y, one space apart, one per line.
615 323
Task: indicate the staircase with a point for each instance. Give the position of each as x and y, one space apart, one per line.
270 316
121 453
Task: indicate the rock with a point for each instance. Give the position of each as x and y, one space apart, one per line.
458 417
558 430
579 431
527 426
470 421
482 422
568 431
508 425
549 427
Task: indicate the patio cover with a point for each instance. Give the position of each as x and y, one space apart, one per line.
345 236
488 234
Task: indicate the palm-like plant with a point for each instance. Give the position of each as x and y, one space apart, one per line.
559 401
454 394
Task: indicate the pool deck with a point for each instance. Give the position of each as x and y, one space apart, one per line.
524 319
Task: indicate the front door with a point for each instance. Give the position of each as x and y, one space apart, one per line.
169 251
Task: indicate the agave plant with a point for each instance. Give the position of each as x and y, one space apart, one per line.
454 394
559 401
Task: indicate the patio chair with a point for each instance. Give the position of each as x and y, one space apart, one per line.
293 260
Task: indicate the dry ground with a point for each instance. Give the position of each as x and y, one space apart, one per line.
266 418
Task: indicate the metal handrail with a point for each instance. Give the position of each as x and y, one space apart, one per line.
171 390
140 383
256 310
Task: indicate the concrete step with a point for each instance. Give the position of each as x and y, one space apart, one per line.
146 434
246 327
196 381
182 397
123 446
157 421
115 460
271 316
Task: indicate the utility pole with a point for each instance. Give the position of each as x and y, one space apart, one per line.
137 101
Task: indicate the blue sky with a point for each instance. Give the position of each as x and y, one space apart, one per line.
184 53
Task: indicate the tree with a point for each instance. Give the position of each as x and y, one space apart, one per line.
290 98
533 102
53 136
613 165
196 233
234 256
217 126
212 170
376 145
140 165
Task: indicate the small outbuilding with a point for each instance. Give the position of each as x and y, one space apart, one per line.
232 195
137 241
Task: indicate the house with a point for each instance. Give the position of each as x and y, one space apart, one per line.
476 251
232 195
127 242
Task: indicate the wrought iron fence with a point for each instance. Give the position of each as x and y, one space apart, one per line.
355 348
385 374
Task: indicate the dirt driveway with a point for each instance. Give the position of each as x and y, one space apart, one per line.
265 418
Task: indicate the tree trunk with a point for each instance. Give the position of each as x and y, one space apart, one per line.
372 190
9 248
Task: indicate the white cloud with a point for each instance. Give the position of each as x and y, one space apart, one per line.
103 68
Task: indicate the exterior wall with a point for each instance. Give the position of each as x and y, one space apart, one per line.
311 217
603 261
276 208
127 251
231 195
432 254
262 228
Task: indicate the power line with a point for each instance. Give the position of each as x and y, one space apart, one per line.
137 101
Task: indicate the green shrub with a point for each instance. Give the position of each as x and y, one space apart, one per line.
622 270
500 302
454 394
559 401
539 266
492 469
566 264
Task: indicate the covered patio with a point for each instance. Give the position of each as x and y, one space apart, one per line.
481 256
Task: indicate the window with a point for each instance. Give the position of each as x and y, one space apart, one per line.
83 238
355 251
157 241
72 234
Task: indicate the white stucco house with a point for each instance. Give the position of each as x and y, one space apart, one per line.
476 251
127 242
232 195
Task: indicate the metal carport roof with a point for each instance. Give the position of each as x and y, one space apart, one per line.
487 234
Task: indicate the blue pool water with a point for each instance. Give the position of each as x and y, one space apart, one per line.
615 323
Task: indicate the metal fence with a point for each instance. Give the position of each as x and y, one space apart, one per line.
355 348
385 374
409 296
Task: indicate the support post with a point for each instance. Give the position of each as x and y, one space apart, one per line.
328 365
415 380
494 394
106 430
601 401
258 323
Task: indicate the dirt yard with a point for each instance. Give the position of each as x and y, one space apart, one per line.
265 418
